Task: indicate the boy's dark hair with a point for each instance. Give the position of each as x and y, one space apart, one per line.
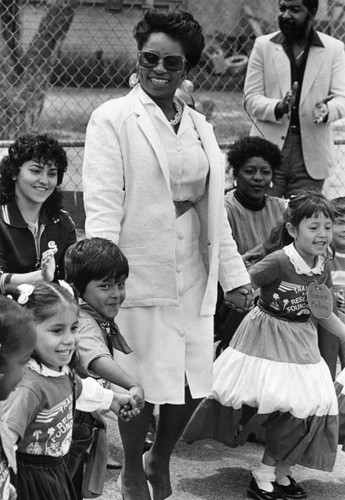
338 205
94 259
40 148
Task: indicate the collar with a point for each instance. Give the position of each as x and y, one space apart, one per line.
45 371
300 265
255 207
12 216
110 328
146 100
104 322
314 38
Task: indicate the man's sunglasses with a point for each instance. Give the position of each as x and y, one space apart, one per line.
147 59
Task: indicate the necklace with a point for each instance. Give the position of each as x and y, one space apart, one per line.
178 115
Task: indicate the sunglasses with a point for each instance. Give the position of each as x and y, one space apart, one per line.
147 59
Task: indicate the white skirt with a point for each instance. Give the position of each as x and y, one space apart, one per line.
173 344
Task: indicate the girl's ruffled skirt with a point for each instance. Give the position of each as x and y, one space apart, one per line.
296 403
340 390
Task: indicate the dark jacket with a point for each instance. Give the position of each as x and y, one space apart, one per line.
20 251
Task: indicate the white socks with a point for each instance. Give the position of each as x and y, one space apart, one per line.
264 476
283 469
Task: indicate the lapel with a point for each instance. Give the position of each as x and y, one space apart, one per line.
208 140
211 148
281 64
314 64
146 125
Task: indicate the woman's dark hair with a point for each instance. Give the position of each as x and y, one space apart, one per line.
302 206
179 25
44 150
94 259
16 328
248 147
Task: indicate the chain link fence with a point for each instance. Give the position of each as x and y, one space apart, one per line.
60 59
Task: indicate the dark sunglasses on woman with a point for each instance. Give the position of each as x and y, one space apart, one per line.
148 59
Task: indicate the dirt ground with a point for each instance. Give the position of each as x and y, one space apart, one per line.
208 470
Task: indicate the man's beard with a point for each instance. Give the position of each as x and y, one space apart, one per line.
293 32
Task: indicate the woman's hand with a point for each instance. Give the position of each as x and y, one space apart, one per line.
48 264
137 392
241 298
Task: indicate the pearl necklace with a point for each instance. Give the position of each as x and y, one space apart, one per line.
178 115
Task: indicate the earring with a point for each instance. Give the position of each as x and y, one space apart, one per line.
14 177
235 183
133 80
271 184
187 86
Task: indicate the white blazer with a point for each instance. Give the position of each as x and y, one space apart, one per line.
269 78
128 200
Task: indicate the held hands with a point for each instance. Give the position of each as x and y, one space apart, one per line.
124 406
48 262
240 299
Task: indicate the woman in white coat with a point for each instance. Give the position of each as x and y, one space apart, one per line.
153 179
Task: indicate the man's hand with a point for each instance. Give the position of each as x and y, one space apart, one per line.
286 104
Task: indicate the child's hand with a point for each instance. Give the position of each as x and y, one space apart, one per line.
48 262
339 295
138 394
123 403
127 412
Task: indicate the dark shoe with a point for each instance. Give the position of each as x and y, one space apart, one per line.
293 490
254 492
114 463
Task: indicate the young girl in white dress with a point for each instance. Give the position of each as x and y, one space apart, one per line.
272 372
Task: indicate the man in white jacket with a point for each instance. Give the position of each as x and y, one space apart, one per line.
294 89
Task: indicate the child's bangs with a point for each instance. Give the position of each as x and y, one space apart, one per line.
118 270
